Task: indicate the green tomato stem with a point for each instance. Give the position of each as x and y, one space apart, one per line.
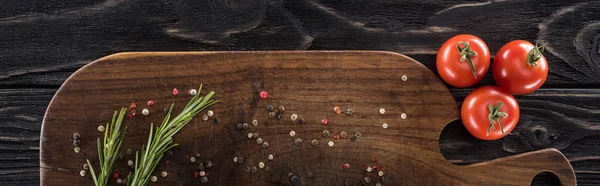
534 55
465 54
496 115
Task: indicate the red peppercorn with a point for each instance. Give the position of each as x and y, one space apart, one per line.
346 166
116 175
196 174
175 91
187 157
132 106
133 113
374 167
150 103
336 136
264 94
381 168
324 121
129 116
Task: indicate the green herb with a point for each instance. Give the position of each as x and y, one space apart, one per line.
108 151
160 140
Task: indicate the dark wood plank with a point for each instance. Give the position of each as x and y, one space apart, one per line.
83 32
307 83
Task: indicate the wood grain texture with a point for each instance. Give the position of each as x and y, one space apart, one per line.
43 42
307 83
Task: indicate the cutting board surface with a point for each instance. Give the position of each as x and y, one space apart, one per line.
308 84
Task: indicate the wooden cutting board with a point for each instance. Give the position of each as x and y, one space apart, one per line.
309 84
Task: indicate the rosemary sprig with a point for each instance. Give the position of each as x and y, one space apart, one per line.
108 151
160 140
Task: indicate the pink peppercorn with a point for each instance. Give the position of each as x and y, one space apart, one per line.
116 175
324 121
196 174
132 106
175 91
150 103
346 166
264 94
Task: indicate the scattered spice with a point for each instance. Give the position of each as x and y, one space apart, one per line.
150 103
239 126
154 178
269 108
280 109
349 111
208 164
270 157
193 159
217 120
279 116
261 165
298 141
294 179
343 134
301 121
201 166
254 169
385 125
119 181
346 166
272 115
293 117
101 128
367 179
250 135
193 92
382 111
369 169
255 135
384 179
163 174
292 133
259 141
202 173
325 133
309 175
255 122
77 149
132 106
404 78
76 136
145 112
314 142
264 94
76 143
403 115
129 151
82 173
166 110
130 163
265 144
205 117
380 173
85 166
210 113
337 110
115 175
324 121
245 126
175 91
196 174
331 143
204 179
347 182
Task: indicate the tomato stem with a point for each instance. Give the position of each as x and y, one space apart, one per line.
465 54
496 115
535 54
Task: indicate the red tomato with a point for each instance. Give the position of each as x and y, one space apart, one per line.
463 68
490 113
520 67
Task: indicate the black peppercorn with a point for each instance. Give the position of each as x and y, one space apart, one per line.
270 108
76 136
217 121
76 142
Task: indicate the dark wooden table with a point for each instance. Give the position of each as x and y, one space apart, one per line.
43 42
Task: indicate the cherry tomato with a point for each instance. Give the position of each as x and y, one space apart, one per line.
463 60
490 113
520 67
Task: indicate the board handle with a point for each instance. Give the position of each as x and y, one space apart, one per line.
524 167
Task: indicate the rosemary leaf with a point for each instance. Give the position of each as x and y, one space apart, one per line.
160 139
108 150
